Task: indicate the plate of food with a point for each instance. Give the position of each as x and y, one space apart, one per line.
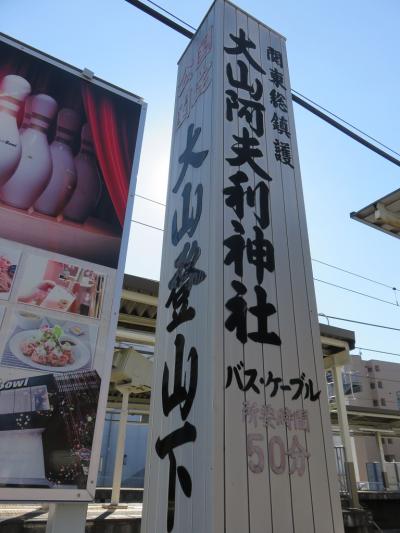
49 347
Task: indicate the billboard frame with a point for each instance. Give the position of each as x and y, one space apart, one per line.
73 494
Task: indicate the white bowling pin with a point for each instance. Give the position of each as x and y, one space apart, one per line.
13 91
88 188
63 177
27 115
34 169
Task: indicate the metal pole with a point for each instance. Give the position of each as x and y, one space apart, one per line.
382 460
67 517
119 454
345 432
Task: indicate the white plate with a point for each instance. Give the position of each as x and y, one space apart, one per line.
80 352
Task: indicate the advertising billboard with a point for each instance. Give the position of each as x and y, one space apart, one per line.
69 150
240 433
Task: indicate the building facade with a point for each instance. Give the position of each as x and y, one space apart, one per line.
372 395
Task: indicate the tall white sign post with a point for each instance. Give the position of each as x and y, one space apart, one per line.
240 438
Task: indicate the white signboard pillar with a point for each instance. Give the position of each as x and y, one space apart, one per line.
240 435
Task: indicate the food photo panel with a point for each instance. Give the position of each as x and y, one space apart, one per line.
47 343
61 286
9 260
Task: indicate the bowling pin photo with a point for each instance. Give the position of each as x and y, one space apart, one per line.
13 91
34 169
27 115
88 189
63 177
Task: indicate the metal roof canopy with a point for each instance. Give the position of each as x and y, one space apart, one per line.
332 332
370 418
383 214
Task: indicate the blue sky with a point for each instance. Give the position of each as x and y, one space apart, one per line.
343 55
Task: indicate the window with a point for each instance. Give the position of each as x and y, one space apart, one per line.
377 368
383 440
375 403
390 458
369 368
390 441
351 382
380 385
383 401
331 392
372 384
398 399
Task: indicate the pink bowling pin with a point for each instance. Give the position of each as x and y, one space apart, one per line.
88 188
13 91
63 177
34 169
27 115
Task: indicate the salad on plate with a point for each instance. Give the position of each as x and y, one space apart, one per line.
49 347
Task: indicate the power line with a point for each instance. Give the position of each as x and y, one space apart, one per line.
161 18
345 122
315 279
147 225
344 130
354 274
358 322
356 292
377 351
149 199
173 16
299 100
316 261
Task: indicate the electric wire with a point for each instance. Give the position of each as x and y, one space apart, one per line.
149 199
180 29
355 274
358 322
161 18
315 261
345 122
377 351
147 225
315 279
173 16
356 292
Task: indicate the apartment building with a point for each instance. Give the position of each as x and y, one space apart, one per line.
372 393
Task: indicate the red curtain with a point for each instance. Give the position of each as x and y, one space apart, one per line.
113 144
